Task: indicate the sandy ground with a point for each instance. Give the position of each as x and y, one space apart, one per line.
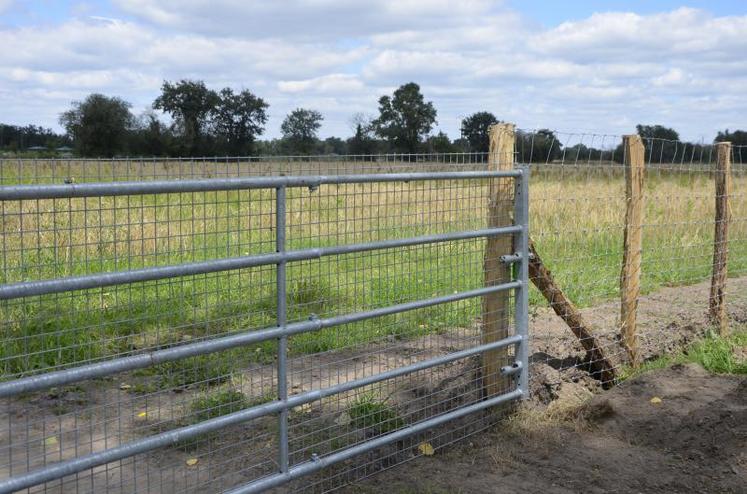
695 440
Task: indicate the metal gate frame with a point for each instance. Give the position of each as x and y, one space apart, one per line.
519 369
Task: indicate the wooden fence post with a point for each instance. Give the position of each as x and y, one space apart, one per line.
630 277
721 237
496 306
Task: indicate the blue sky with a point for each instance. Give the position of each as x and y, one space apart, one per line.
599 66
551 13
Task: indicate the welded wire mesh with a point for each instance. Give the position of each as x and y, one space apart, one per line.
45 239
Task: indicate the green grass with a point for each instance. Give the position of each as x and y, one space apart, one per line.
209 405
368 412
216 404
714 353
577 227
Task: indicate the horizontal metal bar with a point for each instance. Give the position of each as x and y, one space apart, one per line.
100 280
140 361
315 465
69 467
101 189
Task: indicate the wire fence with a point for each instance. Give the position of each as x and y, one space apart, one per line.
578 222
199 335
577 216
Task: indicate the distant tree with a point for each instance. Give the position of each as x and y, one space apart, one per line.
363 141
237 120
541 146
461 145
475 130
270 147
98 125
300 130
333 145
150 136
190 103
661 143
405 118
439 143
737 137
16 137
657 132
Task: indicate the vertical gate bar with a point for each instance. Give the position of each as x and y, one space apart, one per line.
521 217
282 384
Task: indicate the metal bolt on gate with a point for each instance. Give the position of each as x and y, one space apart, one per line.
281 258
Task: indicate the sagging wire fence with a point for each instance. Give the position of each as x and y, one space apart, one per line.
607 243
238 333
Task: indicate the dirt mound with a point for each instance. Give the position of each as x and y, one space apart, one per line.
675 430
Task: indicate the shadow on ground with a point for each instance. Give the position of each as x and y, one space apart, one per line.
694 440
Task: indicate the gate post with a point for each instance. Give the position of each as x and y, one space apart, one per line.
282 319
496 306
521 304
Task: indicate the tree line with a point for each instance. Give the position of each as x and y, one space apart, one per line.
206 122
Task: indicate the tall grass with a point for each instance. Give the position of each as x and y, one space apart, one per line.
576 221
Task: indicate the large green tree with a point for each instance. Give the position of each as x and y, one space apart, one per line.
190 104
98 125
541 146
475 130
661 144
736 137
237 120
300 129
405 118
657 132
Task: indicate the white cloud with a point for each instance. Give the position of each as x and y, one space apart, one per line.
5 5
332 84
304 18
608 71
684 32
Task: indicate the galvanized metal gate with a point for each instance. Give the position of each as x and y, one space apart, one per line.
38 357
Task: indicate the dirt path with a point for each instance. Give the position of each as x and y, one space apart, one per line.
695 440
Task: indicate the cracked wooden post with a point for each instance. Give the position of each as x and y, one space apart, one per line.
717 306
630 276
496 306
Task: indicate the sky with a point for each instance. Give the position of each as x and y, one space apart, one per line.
572 66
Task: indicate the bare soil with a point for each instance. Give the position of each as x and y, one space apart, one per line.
695 440
609 444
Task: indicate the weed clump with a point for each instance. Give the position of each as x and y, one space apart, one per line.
368 413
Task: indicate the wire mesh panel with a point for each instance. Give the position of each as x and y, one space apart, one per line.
239 333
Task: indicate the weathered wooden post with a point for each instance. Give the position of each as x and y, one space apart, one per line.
496 306
717 304
630 276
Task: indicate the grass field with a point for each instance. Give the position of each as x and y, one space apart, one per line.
576 221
